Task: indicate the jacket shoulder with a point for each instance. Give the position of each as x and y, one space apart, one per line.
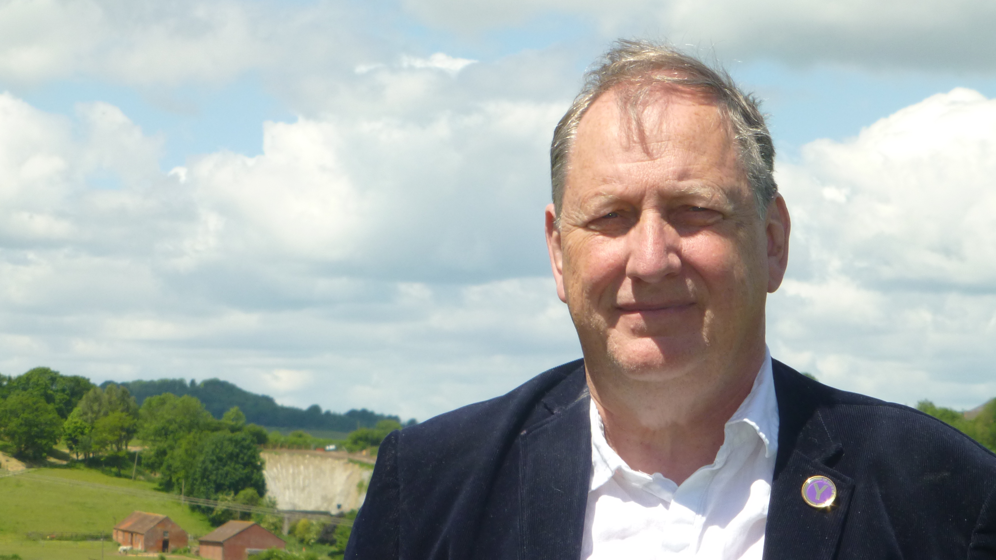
474 424
434 481
874 424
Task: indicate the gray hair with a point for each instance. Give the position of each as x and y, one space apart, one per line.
645 65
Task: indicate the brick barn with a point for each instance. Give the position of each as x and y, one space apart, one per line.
235 539
150 532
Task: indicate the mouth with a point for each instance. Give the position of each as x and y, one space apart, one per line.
655 307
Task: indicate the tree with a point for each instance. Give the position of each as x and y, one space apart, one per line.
234 419
119 399
298 439
257 433
61 391
985 425
32 425
111 414
114 430
5 382
272 523
228 463
166 419
92 406
365 438
177 468
76 435
223 511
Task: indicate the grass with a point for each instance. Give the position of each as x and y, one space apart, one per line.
319 434
58 550
32 504
62 550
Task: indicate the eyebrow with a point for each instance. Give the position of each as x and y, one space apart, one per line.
615 191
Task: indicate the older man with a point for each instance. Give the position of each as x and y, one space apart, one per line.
677 436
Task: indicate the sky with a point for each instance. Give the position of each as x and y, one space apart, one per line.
341 202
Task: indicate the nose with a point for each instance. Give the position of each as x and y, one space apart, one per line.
653 249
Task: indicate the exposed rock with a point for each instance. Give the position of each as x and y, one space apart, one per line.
315 481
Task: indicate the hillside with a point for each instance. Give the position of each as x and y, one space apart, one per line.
55 502
219 396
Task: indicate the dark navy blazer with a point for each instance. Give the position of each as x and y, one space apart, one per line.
508 479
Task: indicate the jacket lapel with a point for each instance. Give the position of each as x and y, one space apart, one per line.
806 447
555 472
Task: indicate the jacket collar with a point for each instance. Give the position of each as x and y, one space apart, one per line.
807 447
554 482
554 470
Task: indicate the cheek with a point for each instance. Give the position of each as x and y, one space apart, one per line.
591 265
725 266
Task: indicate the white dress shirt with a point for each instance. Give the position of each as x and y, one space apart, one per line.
719 512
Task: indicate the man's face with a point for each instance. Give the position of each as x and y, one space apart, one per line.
661 255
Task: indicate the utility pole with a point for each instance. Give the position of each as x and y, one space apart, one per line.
135 468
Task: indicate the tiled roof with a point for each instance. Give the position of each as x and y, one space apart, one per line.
226 531
139 522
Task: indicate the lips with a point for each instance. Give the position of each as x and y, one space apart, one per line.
650 307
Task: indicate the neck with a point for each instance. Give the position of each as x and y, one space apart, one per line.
675 426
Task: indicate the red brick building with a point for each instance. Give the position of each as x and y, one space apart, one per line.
234 540
150 532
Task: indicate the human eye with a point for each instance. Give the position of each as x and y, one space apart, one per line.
697 216
608 222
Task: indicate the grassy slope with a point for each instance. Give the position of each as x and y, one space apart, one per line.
62 550
36 505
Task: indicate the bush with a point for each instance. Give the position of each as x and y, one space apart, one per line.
307 531
366 438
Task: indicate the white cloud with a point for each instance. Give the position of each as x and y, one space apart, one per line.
280 381
929 34
311 50
385 249
381 263
891 280
171 43
438 61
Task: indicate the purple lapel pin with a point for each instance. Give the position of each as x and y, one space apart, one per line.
819 491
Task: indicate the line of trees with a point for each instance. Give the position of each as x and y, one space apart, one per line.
189 450
220 396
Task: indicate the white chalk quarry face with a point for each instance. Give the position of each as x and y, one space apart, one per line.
315 481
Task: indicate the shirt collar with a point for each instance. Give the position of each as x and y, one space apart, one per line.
759 410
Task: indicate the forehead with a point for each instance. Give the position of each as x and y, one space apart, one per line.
672 135
650 116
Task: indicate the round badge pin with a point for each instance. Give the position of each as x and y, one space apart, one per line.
819 491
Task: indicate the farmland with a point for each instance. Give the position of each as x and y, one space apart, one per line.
55 502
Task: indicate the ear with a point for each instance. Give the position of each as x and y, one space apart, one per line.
777 228
556 251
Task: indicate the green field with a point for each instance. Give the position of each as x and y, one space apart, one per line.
61 550
42 501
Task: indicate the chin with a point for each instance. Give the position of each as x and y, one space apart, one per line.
654 360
